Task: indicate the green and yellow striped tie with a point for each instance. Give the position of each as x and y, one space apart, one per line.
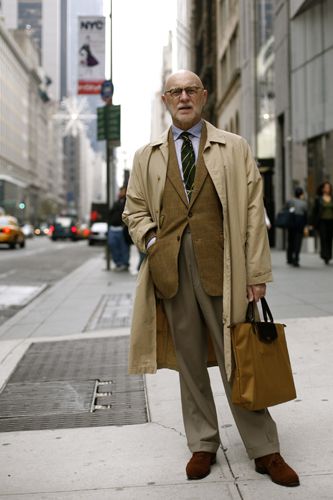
188 162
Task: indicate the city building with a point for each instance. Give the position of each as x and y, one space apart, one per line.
204 50
24 129
228 93
50 26
304 96
43 20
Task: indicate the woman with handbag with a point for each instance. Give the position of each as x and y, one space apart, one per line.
323 220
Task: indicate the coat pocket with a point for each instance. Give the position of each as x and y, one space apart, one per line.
163 266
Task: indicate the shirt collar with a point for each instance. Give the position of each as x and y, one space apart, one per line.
194 131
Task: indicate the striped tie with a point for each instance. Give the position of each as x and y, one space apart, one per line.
188 163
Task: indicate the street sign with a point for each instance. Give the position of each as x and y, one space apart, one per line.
101 133
113 124
107 90
108 124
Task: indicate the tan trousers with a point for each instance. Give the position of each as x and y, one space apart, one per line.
187 314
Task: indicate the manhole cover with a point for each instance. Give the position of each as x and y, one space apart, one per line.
76 383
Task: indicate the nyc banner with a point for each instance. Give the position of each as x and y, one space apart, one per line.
91 54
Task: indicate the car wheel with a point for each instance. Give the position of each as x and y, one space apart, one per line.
91 243
22 244
12 246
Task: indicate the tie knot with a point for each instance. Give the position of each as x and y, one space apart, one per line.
185 136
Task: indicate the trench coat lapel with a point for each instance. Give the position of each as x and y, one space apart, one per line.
159 172
201 171
174 173
215 161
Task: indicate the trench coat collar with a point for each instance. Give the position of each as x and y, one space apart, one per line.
213 135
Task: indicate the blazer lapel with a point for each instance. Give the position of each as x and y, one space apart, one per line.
201 171
173 172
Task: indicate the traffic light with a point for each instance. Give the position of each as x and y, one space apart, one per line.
22 205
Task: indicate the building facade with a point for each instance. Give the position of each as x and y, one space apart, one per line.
311 73
303 50
43 29
42 19
203 36
228 91
24 115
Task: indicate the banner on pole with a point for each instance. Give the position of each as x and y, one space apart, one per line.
91 56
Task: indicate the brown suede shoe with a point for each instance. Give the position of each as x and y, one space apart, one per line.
276 467
199 465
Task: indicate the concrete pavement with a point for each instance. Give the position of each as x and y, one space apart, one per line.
147 461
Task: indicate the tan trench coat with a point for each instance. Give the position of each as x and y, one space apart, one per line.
246 250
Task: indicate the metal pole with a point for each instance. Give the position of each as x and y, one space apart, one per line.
111 40
109 159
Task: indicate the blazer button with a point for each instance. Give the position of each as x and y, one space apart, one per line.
190 214
178 238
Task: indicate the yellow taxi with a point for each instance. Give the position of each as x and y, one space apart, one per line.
10 232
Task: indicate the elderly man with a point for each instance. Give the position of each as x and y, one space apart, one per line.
195 206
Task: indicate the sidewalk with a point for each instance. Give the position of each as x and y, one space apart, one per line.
147 461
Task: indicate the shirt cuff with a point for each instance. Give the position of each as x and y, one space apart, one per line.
151 242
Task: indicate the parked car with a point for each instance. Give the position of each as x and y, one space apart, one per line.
28 230
63 227
10 232
98 233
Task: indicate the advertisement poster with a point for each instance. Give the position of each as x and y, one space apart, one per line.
91 54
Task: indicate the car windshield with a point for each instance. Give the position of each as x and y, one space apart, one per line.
63 221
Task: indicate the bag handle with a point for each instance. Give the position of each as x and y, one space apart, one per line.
266 310
250 315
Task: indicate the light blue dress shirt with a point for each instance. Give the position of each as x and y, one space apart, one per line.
195 134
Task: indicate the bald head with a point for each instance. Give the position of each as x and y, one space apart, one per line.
182 75
185 97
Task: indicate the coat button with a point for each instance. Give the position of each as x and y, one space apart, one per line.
190 214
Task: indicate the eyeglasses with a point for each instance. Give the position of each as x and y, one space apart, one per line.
189 91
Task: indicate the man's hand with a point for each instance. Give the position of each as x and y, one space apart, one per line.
256 292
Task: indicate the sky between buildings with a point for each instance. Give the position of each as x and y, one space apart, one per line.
140 30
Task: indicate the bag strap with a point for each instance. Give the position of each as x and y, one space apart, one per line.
250 318
250 314
266 310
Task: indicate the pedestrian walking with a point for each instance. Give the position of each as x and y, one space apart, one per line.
323 220
118 242
195 205
297 206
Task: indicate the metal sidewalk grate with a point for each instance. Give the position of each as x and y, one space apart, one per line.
113 311
76 383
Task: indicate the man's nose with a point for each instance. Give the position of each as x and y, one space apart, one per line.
184 94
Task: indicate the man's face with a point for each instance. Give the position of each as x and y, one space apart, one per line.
185 107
